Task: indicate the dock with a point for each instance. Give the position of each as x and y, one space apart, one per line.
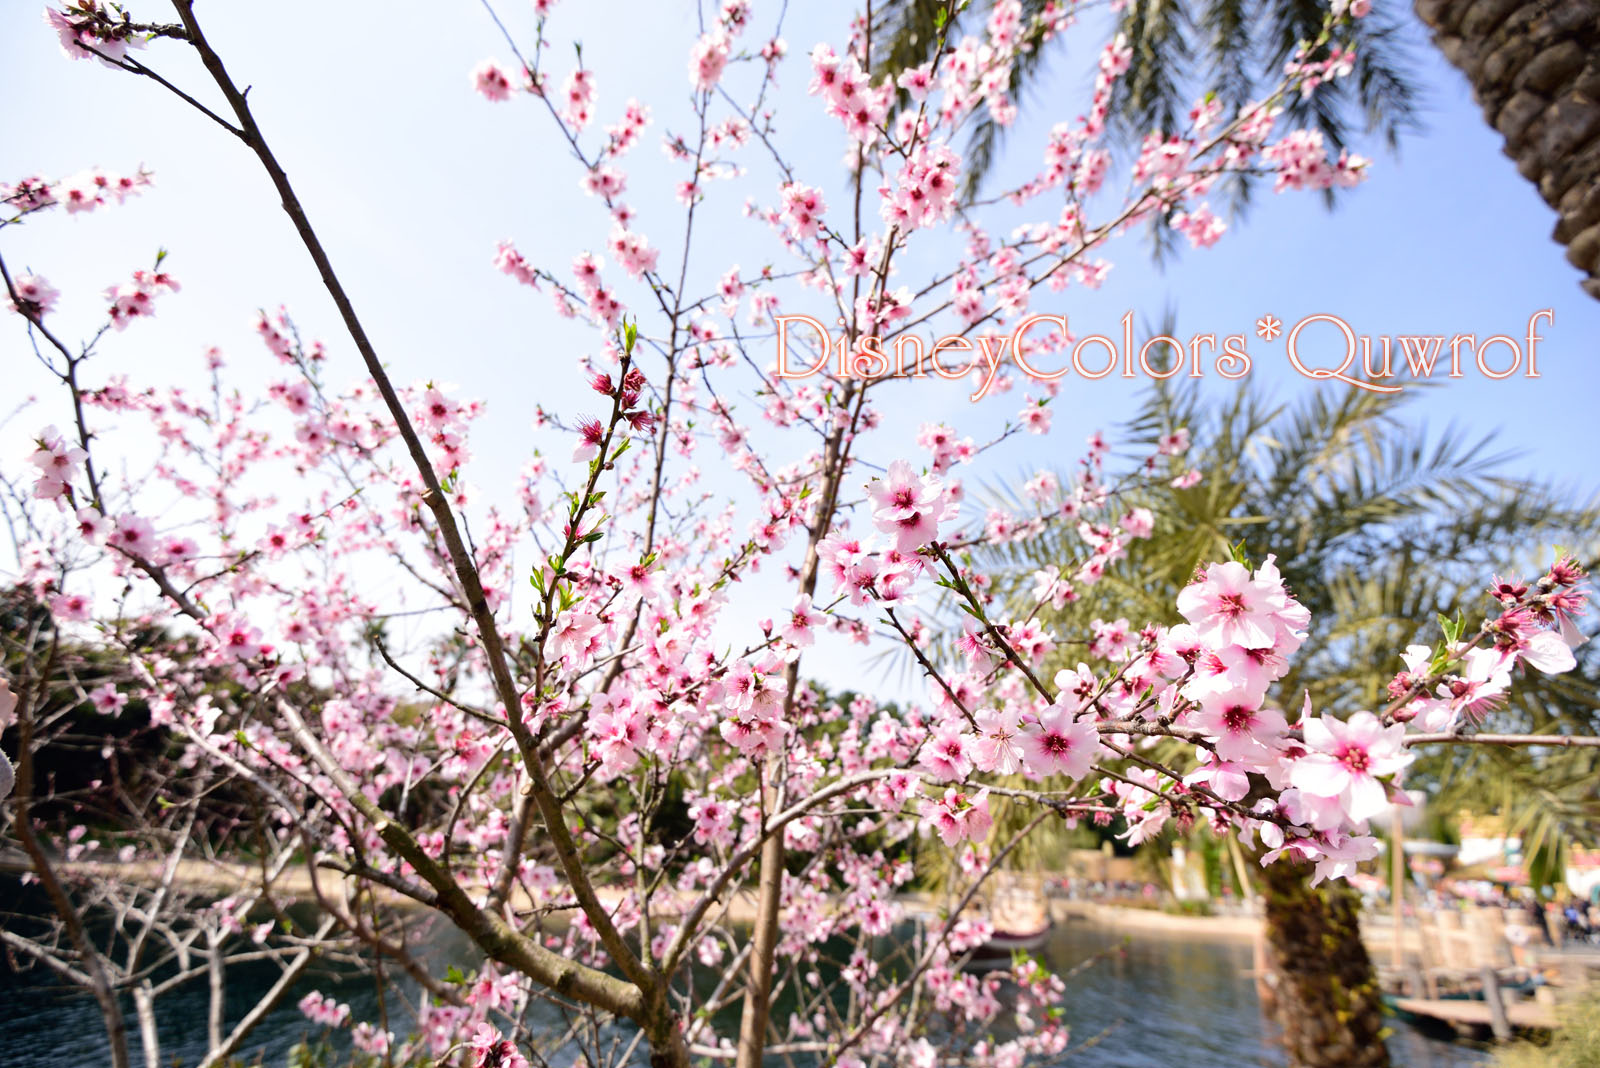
1522 1014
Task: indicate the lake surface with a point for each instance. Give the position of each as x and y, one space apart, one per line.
1174 1002
1159 1002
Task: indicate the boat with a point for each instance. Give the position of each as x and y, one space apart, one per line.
1021 923
1403 1006
1003 945
1391 1002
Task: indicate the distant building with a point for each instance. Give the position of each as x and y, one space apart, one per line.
1484 842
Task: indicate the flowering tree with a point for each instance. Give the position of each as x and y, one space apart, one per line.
1376 538
632 804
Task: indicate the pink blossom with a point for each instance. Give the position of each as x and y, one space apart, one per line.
35 297
1482 683
1175 443
802 209
1347 758
491 81
1035 418
998 748
947 754
93 525
135 299
591 433
58 463
369 1039
1229 781
917 81
1229 606
319 1008
706 60
80 33
957 817
71 606
797 629
489 1050
907 505
136 537
1200 226
236 637
713 822
616 730
579 93
1242 731
1545 651
1059 744
107 699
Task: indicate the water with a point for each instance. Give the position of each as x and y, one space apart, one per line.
1160 1001
1169 1000
43 1025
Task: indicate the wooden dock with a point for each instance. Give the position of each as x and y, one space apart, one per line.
1525 1014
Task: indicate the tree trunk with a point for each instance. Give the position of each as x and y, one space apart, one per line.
217 982
1534 66
144 1005
1329 1003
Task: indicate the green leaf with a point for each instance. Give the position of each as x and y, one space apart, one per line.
1238 554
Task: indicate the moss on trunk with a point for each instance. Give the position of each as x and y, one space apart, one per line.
1329 1004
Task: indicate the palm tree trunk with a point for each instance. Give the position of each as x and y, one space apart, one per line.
1329 1004
1534 66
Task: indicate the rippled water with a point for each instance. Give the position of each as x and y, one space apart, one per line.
1158 1003
1179 1002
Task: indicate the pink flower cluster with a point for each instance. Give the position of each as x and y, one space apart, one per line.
83 192
849 94
489 1050
579 93
707 59
489 79
58 462
625 134
924 191
909 507
91 29
135 298
321 1009
803 208
35 296
1301 159
604 307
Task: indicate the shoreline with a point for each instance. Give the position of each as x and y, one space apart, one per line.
1155 921
223 879
1377 934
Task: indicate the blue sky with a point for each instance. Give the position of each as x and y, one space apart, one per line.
411 178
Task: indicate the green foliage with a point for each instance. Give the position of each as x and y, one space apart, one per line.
1575 1045
1189 908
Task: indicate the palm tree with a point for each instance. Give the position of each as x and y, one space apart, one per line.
1534 66
1378 529
1535 70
